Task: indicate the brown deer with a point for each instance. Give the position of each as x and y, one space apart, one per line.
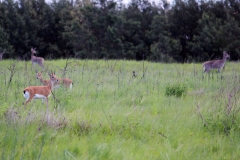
65 81
36 60
216 64
39 92
1 55
39 76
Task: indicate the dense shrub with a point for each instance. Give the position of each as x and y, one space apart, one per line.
177 89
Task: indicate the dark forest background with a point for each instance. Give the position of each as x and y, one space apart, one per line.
183 31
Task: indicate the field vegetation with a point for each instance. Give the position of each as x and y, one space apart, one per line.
162 111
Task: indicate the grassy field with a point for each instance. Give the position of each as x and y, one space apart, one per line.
111 114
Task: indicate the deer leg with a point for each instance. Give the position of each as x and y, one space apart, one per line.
47 113
29 99
219 69
206 70
47 107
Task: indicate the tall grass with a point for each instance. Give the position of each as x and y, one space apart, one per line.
112 113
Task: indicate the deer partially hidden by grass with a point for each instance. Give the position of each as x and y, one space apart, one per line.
1 54
36 60
39 92
61 81
216 64
65 81
43 82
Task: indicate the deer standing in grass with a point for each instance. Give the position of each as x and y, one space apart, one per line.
216 64
1 54
39 92
64 81
61 81
36 60
44 82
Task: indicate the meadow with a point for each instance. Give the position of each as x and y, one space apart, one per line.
112 114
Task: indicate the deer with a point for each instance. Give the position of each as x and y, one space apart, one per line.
216 64
1 55
65 81
43 82
39 92
36 60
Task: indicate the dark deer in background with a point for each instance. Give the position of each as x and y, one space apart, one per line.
216 64
1 54
36 60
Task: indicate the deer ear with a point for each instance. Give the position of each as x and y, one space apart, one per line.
42 72
36 71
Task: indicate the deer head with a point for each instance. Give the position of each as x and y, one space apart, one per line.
33 51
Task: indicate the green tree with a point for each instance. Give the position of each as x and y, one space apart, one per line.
183 18
12 24
216 35
4 37
100 31
165 48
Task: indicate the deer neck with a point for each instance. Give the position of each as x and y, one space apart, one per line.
50 85
33 57
224 59
41 80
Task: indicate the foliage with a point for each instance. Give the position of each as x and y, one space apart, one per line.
183 31
112 114
3 109
177 89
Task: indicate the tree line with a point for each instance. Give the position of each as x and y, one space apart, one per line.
183 31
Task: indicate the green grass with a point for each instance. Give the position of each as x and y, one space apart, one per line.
109 114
